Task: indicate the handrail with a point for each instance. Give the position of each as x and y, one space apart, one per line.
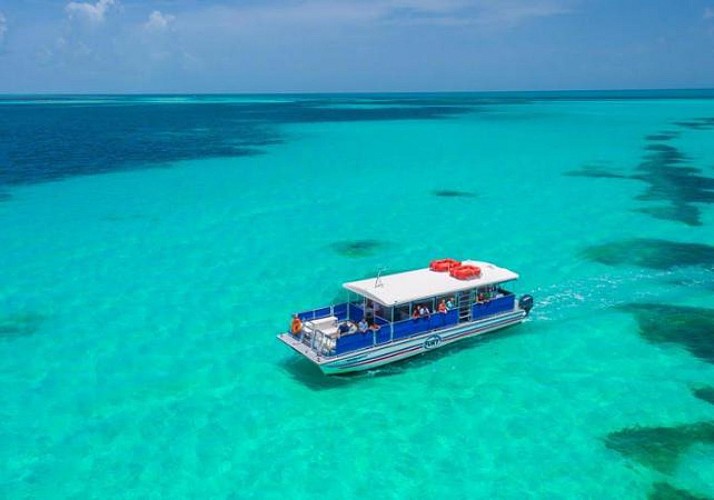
397 330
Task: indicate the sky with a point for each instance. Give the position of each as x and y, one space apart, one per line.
197 46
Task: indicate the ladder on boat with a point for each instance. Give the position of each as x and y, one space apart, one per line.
464 306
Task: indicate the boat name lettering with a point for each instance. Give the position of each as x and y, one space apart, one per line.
432 342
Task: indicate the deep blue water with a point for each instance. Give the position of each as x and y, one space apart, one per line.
46 138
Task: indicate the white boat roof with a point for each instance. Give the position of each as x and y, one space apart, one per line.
402 288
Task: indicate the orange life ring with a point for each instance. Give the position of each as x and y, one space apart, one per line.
465 272
296 325
443 265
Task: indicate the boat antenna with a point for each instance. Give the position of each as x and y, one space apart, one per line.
378 279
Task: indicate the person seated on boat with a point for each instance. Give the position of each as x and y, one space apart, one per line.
343 328
362 326
480 297
373 326
424 311
415 312
442 308
296 325
450 304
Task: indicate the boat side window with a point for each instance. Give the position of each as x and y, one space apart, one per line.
402 312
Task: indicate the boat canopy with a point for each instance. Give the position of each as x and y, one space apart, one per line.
411 286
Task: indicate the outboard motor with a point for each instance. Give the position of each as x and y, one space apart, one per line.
526 303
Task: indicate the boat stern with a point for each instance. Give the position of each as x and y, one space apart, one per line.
299 347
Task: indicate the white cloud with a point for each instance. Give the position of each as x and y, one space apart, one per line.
512 13
3 27
159 22
92 13
708 13
492 14
495 14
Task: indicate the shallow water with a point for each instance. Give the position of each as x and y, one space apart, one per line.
138 307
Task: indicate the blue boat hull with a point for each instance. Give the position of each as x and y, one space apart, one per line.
375 356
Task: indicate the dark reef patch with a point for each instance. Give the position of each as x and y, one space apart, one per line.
705 393
20 325
66 136
596 171
673 154
665 491
652 253
683 213
660 447
358 248
671 181
666 135
51 142
690 327
706 123
453 193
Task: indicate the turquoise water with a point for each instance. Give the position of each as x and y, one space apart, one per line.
152 247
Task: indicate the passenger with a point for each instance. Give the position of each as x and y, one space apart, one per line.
296 325
450 303
480 297
373 326
415 312
362 326
442 307
369 308
424 311
343 328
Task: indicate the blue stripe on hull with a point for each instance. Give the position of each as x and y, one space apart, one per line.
411 347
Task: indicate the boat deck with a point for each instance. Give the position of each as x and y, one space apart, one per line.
321 327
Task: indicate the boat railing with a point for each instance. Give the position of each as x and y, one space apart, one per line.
496 305
324 340
337 310
400 330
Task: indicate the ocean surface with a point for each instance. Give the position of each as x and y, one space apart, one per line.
151 247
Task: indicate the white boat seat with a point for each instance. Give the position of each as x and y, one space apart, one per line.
322 323
330 332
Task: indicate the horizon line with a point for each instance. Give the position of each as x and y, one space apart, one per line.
354 92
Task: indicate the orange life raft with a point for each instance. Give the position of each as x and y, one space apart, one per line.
443 265
465 272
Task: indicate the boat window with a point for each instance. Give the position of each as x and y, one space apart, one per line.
384 312
402 312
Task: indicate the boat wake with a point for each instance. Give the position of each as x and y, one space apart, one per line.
570 299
